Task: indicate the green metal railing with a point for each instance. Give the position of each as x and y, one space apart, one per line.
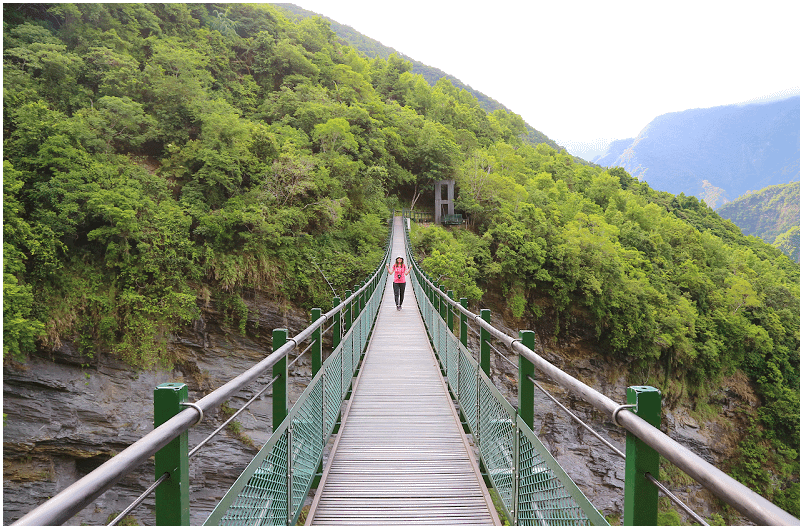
273 488
532 486
417 215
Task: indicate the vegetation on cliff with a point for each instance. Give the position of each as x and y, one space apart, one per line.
159 155
769 213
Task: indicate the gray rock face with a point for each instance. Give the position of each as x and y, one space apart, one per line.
67 414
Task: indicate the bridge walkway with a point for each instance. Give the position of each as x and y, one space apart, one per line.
401 456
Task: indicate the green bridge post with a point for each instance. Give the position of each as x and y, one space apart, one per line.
443 305
450 323
526 386
316 349
280 388
336 336
359 301
172 496
464 327
348 315
486 359
641 495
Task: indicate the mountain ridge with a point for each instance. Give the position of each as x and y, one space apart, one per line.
717 153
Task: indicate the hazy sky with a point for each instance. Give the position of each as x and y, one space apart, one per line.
585 72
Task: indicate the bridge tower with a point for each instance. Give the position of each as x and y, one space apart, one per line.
445 191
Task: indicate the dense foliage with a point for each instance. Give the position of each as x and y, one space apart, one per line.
789 243
767 213
158 156
374 49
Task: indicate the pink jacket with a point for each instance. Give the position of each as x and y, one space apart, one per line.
400 273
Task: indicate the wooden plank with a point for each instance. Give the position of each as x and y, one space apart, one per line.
401 456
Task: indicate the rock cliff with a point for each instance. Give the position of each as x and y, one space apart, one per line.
66 414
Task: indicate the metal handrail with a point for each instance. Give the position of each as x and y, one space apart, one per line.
70 501
749 503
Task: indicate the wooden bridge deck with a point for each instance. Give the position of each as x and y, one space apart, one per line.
401 456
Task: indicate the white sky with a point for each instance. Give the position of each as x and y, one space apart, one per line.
584 72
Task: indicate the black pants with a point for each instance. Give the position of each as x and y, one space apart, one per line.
399 291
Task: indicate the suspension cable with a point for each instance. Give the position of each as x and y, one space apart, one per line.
301 354
674 498
575 417
232 417
139 500
496 350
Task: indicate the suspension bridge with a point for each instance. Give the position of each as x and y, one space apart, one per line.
400 425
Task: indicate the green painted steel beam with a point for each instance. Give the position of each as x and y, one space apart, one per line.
450 312
336 336
172 496
280 388
641 495
486 338
348 315
316 349
526 387
464 327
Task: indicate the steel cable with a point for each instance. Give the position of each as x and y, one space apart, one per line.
139 500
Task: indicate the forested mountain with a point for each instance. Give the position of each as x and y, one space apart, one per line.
157 156
766 213
372 49
716 154
789 243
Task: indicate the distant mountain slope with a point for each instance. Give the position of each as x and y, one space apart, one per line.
719 153
766 213
372 48
789 243
615 149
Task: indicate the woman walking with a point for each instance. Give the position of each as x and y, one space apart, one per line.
399 270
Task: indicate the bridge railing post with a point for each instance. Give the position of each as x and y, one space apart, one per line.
316 348
641 495
464 327
450 314
348 315
280 389
526 386
172 496
486 338
336 335
435 309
